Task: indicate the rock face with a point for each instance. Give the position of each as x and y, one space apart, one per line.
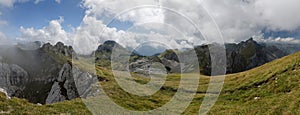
12 78
43 74
105 50
147 66
104 55
71 83
249 54
59 49
240 57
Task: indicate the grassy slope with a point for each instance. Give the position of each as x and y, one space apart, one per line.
276 85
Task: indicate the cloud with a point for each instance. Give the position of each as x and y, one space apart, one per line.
2 36
3 39
93 32
3 22
111 8
58 1
233 18
288 40
132 11
237 20
241 19
278 14
37 1
10 3
7 3
52 33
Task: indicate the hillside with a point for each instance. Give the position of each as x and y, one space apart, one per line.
269 89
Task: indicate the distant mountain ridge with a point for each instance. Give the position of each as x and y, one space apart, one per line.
289 48
240 57
46 70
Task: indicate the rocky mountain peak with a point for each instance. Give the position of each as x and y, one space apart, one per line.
110 42
250 41
108 46
59 48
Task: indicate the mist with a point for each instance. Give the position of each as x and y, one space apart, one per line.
42 69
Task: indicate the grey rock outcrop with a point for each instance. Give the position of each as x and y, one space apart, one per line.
72 83
12 78
59 49
250 54
147 66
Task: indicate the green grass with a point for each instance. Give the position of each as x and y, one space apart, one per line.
17 106
276 86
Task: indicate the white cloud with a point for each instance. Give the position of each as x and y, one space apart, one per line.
241 19
2 36
92 32
7 3
289 40
37 1
3 22
133 12
237 19
58 1
278 14
10 3
111 8
3 39
52 33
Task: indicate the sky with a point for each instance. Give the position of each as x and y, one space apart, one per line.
85 24
37 14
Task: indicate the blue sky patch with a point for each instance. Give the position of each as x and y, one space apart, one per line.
38 15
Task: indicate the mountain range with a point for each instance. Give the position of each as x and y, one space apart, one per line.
272 88
240 57
47 74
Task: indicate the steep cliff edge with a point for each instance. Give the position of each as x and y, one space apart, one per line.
12 79
72 83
